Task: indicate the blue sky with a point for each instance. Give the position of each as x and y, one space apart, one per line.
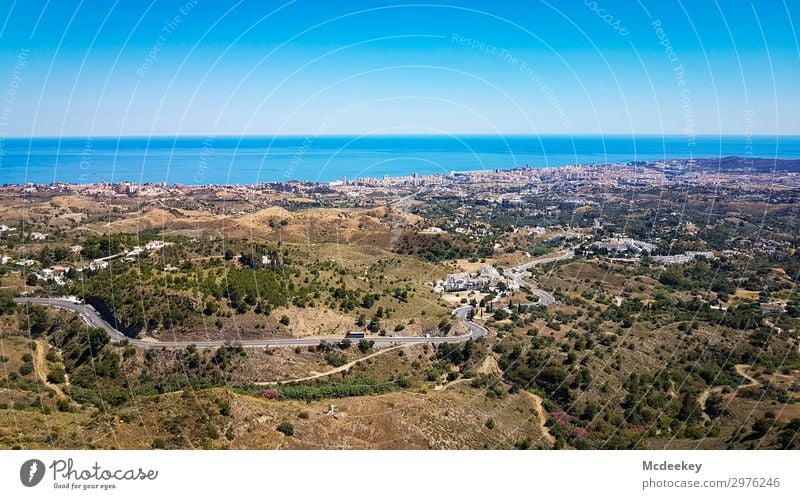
201 67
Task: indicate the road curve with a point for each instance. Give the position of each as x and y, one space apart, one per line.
520 271
92 318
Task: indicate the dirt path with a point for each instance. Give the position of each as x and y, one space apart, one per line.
703 398
741 370
342 368
671 391
542 415
438 388
488 366
40 367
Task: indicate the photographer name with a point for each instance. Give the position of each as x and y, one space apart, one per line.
665 466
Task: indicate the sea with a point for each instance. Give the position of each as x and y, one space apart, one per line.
227 160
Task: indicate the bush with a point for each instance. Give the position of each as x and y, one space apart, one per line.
224 408
336 359
284 320
364 346
7 305
270 394
64 405
286 428
56 375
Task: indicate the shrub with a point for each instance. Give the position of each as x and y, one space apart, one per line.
286 428
336 359
365 345
56 375
270 394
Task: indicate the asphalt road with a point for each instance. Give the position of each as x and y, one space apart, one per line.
519 272
545 298
563 255
91 317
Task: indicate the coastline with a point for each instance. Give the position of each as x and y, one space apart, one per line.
256 160
787 165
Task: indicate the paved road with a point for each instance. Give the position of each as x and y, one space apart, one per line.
91 317
562 255
545 298
520 271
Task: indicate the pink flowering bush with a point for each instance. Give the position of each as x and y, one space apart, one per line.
270 394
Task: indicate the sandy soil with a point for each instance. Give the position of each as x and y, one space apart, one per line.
345 367
316 321
40 366
542 415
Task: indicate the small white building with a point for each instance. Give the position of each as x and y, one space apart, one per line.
98 264
156 245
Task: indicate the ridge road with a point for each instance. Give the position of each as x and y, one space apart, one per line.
91 317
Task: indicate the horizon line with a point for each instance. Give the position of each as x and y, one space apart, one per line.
432 135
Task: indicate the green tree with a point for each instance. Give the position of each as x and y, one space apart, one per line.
286 428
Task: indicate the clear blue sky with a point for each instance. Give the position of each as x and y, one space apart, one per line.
370 66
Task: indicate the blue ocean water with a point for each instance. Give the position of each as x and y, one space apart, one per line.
231 160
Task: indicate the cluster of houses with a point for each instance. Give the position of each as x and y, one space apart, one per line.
624 245
486 278
684 257
22 262
628 245
58 273
33 236
151 246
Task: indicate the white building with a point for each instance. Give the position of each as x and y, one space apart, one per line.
624 244
98 264
685 257
156 245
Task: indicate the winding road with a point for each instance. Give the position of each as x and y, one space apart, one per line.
518 274
92 318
